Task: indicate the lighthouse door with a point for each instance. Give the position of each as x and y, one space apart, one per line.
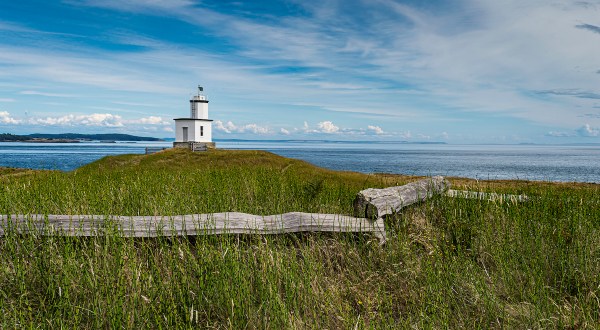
185 134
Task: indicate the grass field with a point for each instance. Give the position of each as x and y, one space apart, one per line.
448 262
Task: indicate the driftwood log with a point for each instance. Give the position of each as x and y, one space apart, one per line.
376 203
492 197
188 225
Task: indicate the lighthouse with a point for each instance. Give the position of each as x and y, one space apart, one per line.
195 132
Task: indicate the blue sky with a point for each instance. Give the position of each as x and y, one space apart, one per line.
464 71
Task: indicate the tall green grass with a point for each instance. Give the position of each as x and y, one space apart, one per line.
448 262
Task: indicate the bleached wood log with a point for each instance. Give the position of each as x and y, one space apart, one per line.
376 203
486 196
188 225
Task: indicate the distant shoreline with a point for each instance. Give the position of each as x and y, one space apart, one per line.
38 140
74 138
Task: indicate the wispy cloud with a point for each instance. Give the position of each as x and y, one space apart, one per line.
79 68
433 50
420 68
589 27
571 92
136 104
9 26
23 29
45 94
157 6
591 115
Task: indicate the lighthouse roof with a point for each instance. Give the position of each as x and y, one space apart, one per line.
198 98
199 119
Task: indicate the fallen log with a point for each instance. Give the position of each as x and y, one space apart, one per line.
188 225
375 203
492 197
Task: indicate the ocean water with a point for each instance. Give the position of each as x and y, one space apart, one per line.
64 156
526 162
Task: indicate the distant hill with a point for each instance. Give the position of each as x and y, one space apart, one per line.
74 136
95 137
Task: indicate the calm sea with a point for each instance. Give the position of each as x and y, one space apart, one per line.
529 162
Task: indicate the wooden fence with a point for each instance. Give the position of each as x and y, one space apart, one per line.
370 207
188 225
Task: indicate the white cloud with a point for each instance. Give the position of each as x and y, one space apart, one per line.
405 135
229 127
584 131
152 120
559 134
95 119
6 100
327 127
284 131
588 131
376 129
254 129
5 118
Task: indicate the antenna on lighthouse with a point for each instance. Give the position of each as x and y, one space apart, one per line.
200 89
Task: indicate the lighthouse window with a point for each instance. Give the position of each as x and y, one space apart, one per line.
201 130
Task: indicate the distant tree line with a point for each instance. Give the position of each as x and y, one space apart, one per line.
96 137
6 137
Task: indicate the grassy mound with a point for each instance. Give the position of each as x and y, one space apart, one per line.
181 182
448 262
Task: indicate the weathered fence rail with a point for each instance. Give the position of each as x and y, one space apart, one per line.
370 208
493 197
188 225
376 203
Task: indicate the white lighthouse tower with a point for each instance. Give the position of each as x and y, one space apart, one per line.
195 132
